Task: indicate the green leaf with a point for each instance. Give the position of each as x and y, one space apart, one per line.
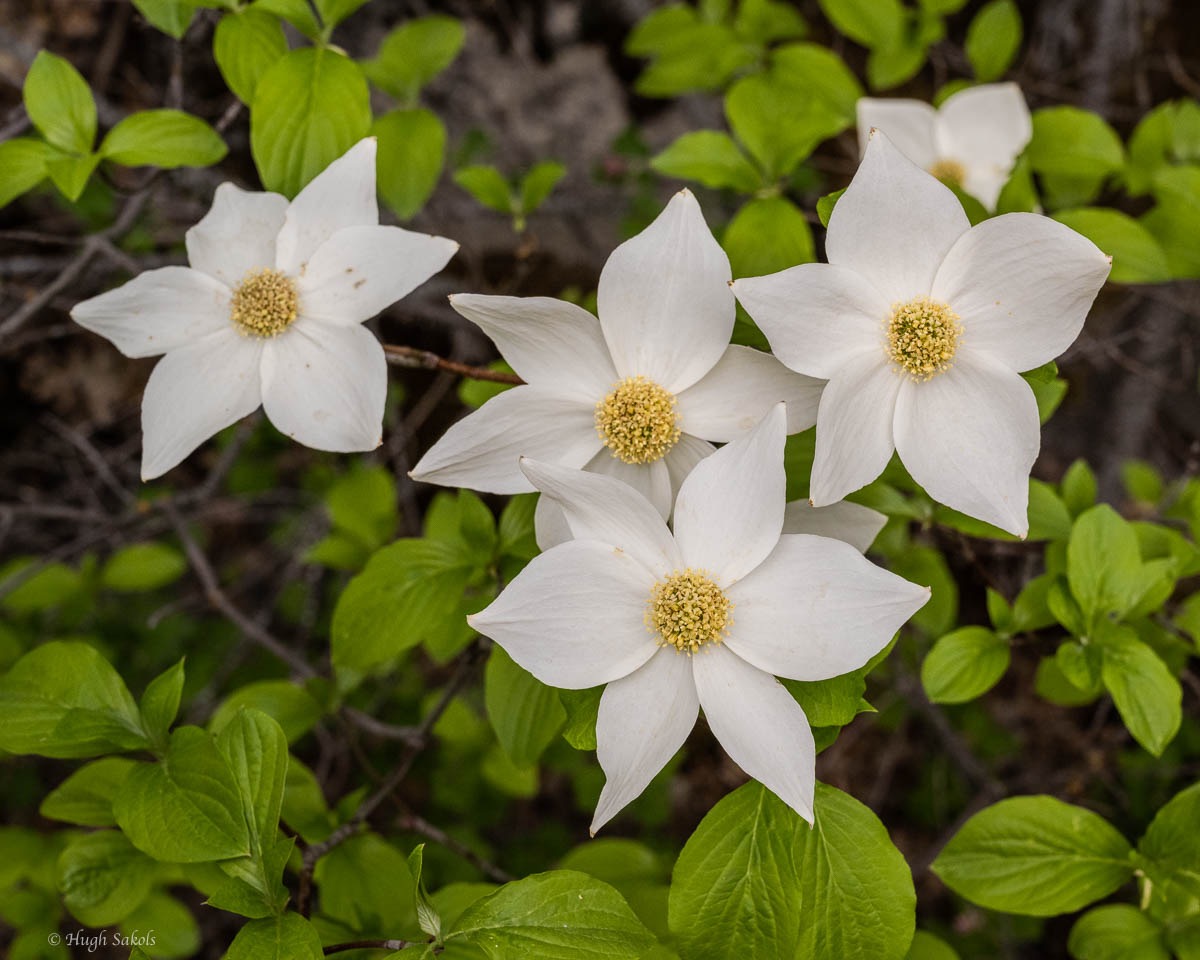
524 712
1079 487
172 17
187 808
754 881
889 67
406 590
926 946
1172 845
142 566
1136 256
826 204
833 702
289 937
964 665
1068 141
1177 190
59 103
308 110
86 796
1035 856
334 12
1117 931
821 74
163 138
1170 133
1147 696
413 54
63 699
538 182
291 706
873 23
24 162
1142 481
412 152
160 702
582 707
427 916
103 878
487 185
553 915
362 503
298 13
765 21
366 885
993 39
709 157
766 235
246 45
173 927
1052 685
693 56
1103 562
777 122
71 174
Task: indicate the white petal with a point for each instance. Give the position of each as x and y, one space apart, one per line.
682 458
195 391
854 428
894 224
341 195
730 510
651 480
360 270
574 616
550 527
547 342
816 316
605 509
664 299
326 386
817 608
157 311
851 523
969 436
761 727
985 128
482 450
733 397
237 234
644 718
1022 285
909 124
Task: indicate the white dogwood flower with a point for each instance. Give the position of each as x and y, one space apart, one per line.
921 323
849 522
270 313
972 140
637 393
704 617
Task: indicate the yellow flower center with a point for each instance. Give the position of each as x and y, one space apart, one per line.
264 304
637 421
922 336
687 610
950 172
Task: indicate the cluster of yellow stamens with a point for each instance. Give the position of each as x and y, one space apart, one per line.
264 304
687 610
637 421
922 336
950 172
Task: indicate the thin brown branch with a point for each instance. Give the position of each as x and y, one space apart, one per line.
367 945
427 360
413 823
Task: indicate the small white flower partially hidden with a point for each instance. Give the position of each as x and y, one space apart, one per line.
921 324
636 394
972 140
702 617
270 313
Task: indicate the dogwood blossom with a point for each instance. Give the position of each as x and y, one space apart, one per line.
851 523
921 322
972 140
702 617
269 313
636 393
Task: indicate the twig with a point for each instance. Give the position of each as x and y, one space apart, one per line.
416 824
312 854
427 360
368 945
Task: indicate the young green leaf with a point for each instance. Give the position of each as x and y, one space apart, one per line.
412 152
413 54
766 235
964 665
993 39
1103 562
299 13
160 702
1117 931
334 12
1035 856
826 204
926 946
1079 487
525 713
25 163
172 17
755 881
71 174
1137 256
59 103
582 707
366 885
142 566
288 937
1147 696
487 185
103 878
309 109
1071 142
246 45
537 184
289 705
86 796
1171 847
709 157
427 915
873 23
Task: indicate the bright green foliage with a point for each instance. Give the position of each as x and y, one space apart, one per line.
413 54
926 946
299 13
489 186
143 566
525 713
993 39
1074 152
964 664
175 932
412 149
172 17
160 703
1146 694
309 108
1137 255
1117 931
25 163
367 888
60 105
873 23
755 881
1170 849
362 508
86 796
163 138
287 937
1177 192
766 235
103 878
551 915
246 45
1168 134
289 705
1036 856
711 158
